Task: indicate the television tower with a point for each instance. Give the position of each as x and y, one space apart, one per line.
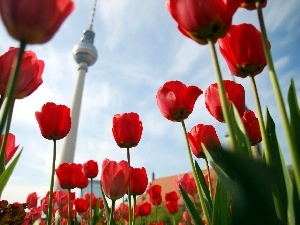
85 54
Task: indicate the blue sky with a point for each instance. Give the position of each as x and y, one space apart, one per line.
139 49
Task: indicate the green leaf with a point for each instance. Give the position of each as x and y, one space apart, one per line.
4 177
190 207
221 207
249 183
205 190
294 115
278 167
242 140
107 209
97 213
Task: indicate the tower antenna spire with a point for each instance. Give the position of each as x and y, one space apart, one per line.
93 15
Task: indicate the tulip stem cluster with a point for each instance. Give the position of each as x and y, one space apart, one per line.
267 153
49 216
222 94
209 177
200 194
8 106
295 154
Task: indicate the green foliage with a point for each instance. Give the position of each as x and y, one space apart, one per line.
204 188
162 215
4 177
190 207
249 183
221 209
278 166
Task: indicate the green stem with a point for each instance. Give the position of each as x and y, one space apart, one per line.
221 88
4 140
129 192
134 205
209 178
156 215
10 93
200 194
174 220
91 199
265 140
69 207
295 155
112 211
49 218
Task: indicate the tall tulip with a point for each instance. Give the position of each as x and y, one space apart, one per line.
68 175
115 178
144 209
10 148
243 50
138 180
201 20
176 101
154 192
235 94
30 77
31 200
203 134
127 129
54 121
81 205
90 169
187 183
32 21
251 125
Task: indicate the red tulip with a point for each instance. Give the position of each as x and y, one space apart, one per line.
243 50
172 202
87 195
115 178
203 134
35 214
90 169
186 216
54 121
32 200
156 223
32 21
10 148
251 125
82 180
138 180
127 129
235 93
30 76
172 207
81 205
61 198
171 196
176 101
201 20
68 175
154 192
63 212
187 183
144 209
123 211
250 4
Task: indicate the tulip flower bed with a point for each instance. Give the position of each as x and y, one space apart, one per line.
252 188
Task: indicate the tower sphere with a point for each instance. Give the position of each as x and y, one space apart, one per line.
85 51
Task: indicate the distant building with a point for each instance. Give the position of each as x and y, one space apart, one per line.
96 188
